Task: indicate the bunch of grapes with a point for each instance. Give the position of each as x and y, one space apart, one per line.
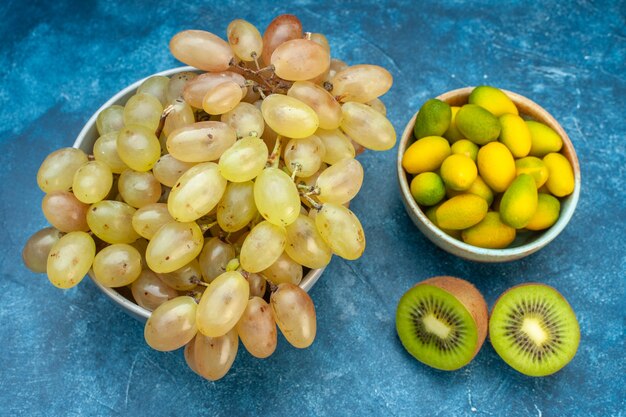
210 194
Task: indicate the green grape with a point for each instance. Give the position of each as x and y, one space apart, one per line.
300 59
144 110
236 208
65 212
245 40
361 83
173 246
304 155
223 97
197 192
336 66
367 127
138 147
141 245
245 160
222 304
257 328
201 142
246 119
305 245
320 39
172 324
139 189
213 356
70 258
214 257
202 50
257 283
284 270
341 230
288 116
283 28
340 182
276 197
110 119
378 105
92 182
338 146
185 278
195 90
262 247
149 218
37 248
295 314
105 150
117 265
150 292
177 84
155 86
111 221
180 115
168 170
56 172
321 101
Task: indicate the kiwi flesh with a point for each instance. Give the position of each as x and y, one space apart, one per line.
534 329
442 322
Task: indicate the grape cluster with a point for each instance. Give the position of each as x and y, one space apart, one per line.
183 201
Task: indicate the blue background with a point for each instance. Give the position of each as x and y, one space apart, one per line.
74 353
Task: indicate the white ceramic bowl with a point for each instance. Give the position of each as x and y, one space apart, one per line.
85 141
525 243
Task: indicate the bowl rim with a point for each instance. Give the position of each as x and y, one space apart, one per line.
527 107
85 134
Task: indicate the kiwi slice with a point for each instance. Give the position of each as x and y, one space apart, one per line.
442 322
534 329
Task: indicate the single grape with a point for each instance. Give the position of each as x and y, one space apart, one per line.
283 28
195 91
176 85
214 257
284 270
245 40
236 208
172 324
246 119
56 172
117 265
378 105
257 283
139 189
189 354
70 258
197 192
223 97
304 156
341 230
289 116
111 221
202 50
338 146
92 182
65 212
201 142
321 101
336 66
262 247
245 160
276 197
341 182
105 150
156 86
150 292
185 278
222 304
367 127
149 218
320 39
295 314
305 245
37 248
361 83
110 119
168 169
141 245
144 110
138 147
174 245
180 115
257 328
213 356
300 60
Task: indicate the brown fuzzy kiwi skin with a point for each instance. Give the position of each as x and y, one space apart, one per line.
470 297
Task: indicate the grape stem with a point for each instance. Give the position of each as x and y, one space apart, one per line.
309 189
312 202
164 115
274 157
297 167
206 226
266 85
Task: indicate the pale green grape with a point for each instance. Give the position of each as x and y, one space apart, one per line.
257 328
223 97
117 265
222 304
341 230
105 150
378 105
172 324
361 83
197 192
139 189
202 50
295 314
304 155
138 147
177 84
213 356
110 119
70 258
65 212
300 59
283 270
340 182
276 197
56 172
257 283
367 127
214 257
144 110
37 248
141 245
305 245
168 170
155 86
92 182
289 116
236 208
173 246
200 142
338 146
321 101
149 218
185 278
320 39
245 40
111 221
245 160
150 292
195 90
180 115
246 119
262 247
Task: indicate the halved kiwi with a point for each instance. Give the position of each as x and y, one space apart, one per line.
442 322
534 329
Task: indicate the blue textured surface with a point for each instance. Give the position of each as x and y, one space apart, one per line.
73 353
